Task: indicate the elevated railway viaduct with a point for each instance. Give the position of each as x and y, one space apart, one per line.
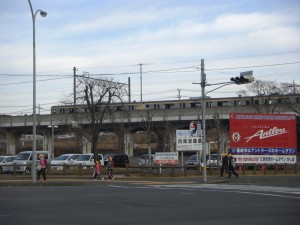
124 123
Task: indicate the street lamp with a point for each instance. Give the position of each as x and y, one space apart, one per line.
51 153
33 168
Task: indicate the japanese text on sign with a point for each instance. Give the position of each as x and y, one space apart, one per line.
263 151
166 158
265 159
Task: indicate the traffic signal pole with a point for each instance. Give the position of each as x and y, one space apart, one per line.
203 105
245 77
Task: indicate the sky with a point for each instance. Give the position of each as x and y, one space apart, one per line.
168 37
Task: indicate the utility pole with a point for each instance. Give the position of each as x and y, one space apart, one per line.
294 86
203 105
141 81
129 90
245 78
74 87
179 96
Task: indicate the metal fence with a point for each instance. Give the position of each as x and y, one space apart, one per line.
166 170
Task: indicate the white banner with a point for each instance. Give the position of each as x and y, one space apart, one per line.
166 158
265 159
186 142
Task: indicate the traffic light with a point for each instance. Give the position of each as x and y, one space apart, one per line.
235 80
244 78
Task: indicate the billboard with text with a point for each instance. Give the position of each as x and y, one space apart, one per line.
263 134
166 158
186 142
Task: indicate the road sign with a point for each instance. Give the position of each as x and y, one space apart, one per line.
166 158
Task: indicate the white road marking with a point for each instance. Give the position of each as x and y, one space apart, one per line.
286 192
283 192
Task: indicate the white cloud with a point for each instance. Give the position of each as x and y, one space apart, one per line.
101 35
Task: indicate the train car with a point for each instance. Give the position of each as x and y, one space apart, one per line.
194 102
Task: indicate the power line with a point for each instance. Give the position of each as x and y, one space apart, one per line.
169 70
21 106
183 69
254 66
30 75
26 82
30 92
177 62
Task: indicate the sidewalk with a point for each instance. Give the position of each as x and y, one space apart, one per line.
293 180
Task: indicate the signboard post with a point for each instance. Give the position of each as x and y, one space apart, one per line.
263 138
186 142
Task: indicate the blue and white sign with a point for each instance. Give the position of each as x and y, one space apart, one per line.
265 159
186 142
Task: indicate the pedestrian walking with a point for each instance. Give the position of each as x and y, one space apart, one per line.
97 171
110 165
224 165
42 166
231 166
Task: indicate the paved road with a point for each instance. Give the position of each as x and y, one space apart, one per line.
281 180
148 202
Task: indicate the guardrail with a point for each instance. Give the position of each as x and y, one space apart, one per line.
168 170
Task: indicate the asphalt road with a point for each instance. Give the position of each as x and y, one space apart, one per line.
149 203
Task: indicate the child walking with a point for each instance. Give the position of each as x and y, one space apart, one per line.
42 166
97 171
110 165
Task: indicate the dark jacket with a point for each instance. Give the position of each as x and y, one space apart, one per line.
225 161
110 164
231 162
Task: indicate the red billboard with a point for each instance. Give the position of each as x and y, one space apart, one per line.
263 134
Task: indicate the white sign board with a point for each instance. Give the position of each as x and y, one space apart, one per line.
186 142
265 159
166 158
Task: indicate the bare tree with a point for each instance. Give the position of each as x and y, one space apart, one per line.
147 126
120 132
264 92
166 134
219 134
97 95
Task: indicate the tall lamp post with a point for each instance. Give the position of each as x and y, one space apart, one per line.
33 168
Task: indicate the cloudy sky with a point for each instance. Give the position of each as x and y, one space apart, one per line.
169 37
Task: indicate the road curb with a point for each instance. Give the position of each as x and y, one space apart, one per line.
52 181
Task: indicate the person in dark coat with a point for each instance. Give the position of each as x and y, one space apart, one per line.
224 164
231 166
